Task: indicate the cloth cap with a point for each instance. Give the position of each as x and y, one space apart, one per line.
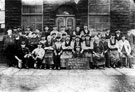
23 43
118 31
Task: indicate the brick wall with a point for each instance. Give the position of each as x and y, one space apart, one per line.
13 13
132 14
82 13
49 13
120 15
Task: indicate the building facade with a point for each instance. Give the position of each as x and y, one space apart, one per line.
97 14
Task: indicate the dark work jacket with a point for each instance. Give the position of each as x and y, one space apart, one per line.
86 33
69 32
9 44
107 36
20 53
45 33
100 48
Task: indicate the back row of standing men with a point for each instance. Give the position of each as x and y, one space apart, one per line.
53 49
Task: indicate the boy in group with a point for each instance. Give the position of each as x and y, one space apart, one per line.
38 56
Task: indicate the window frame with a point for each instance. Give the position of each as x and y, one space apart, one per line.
97 13
3 10
32 14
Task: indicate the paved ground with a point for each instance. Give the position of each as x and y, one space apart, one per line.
31 80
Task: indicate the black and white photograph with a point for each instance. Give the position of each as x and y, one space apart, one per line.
67 45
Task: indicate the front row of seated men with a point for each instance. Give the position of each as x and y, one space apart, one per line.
55 54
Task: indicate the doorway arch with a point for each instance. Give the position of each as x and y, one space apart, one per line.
65 16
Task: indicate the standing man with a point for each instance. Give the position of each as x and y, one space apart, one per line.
107 34
118 35
15 30
130 38
49 49
46 32
57 53
28 32
77 31
85 31
63 33
9 46
54 32
17 37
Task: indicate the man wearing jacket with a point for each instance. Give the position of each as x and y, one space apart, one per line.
125 52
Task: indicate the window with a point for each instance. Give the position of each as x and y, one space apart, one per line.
99 14
32 14
2 14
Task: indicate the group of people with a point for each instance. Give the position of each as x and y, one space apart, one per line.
52 49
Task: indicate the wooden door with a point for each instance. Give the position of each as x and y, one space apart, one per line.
60 21
70 21
65 21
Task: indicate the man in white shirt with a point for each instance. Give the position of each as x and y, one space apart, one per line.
38 55
125 51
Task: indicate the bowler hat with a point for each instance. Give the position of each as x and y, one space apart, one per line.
118 31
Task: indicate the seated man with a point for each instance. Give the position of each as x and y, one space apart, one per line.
77 51
85 30
87 48
125 51
113 54
77 31
23 56
38 56
54 32
57 53
67 47
48 60
98 53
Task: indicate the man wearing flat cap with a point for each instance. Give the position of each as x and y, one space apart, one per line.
63 33
9 47
38 56
22 56
85 30
118 35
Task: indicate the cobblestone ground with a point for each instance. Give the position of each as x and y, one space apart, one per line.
31 80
